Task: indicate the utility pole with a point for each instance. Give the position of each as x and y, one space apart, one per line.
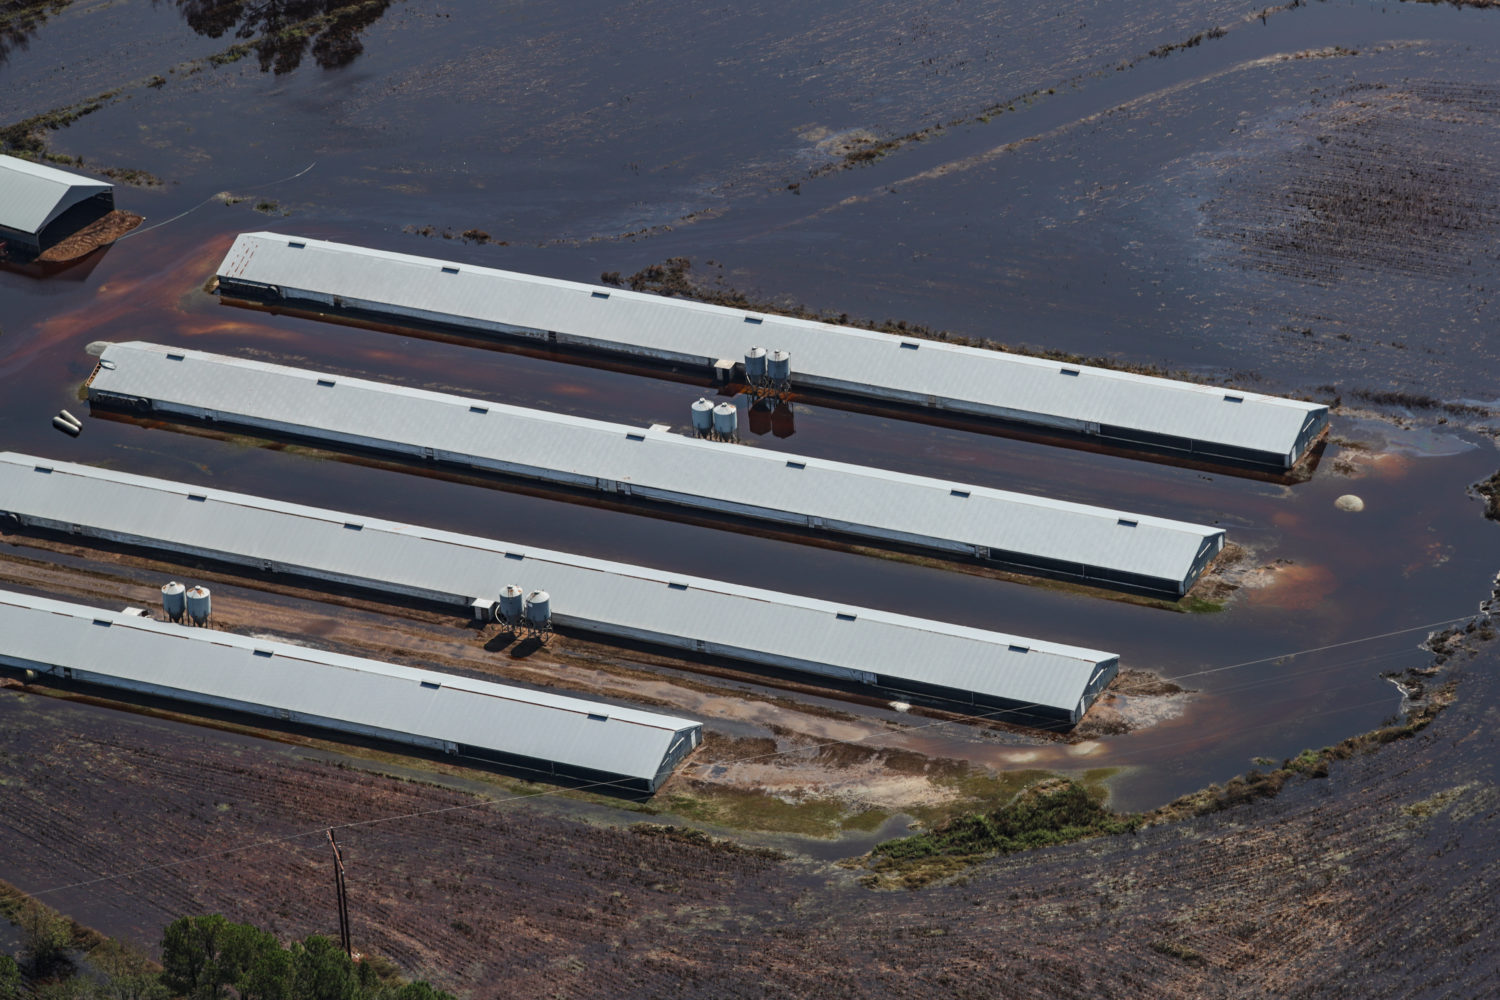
343 894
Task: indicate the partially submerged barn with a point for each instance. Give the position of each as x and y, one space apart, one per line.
41 206
536 732
1019 679
1032 534
1118 408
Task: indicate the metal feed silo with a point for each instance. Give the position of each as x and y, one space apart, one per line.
539 611
199 605
779 367
512 603
703 416
172 601
755 365
726 419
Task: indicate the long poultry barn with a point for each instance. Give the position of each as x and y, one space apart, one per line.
1118 408
905 657
1032 534
538 733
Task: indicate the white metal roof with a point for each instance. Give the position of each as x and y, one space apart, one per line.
655 463
745 622
32 195
948 376
312 682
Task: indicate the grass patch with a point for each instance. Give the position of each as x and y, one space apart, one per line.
1055 811
760 811
27 138
1048 812
233 54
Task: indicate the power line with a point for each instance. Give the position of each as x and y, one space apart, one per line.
213 197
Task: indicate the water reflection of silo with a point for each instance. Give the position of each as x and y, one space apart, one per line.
758 417
783 423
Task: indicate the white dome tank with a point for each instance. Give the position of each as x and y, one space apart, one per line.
703 416
779 366
755 364
199 605
538 609
172 601
726 419
512 605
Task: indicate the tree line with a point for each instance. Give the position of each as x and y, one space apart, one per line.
202 958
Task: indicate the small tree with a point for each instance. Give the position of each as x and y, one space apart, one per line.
45 938
419 990
191 961
10 979
269 976
127 973
321 971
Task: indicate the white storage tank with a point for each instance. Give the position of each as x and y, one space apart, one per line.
539 610
726 419
755 364
779 366
703 416
511 605
172 601
199 605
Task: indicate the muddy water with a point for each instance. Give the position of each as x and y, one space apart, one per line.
1085 239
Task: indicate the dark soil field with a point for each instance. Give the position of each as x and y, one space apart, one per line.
1296 198
1372 881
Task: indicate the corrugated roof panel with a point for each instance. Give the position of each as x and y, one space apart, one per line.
32 195
959 378
590 594
660 465
311 682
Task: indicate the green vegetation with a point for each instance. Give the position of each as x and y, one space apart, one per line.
1059 811
28 137
135 178
203 958
742 809
233 54
210 958
1054 811
45 938
10 979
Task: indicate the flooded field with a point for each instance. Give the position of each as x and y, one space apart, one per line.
1298 200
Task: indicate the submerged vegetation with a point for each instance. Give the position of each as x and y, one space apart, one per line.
1489 490
19 20
282 32
28 138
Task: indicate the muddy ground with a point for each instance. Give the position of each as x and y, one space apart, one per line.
782 755
1372 881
